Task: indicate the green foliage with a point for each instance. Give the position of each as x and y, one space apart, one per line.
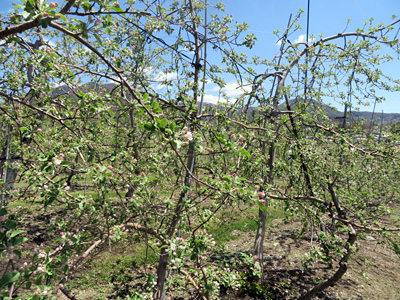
224 231
255 289
121 269
133 160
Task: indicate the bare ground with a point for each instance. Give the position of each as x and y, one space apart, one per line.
373 273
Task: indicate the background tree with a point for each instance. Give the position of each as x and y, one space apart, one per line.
110 96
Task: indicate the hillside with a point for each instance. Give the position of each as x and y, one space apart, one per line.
353 116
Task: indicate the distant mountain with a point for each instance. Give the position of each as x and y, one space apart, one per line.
352 116
312 105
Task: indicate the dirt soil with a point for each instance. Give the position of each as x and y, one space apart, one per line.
373 273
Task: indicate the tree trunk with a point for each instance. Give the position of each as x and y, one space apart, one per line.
339 273
8 176
161 274
260 234
260 237
163 263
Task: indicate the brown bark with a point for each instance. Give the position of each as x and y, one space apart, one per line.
339 273
33 23
163 263
19 28
260 237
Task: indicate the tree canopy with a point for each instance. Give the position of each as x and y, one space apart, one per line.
104 119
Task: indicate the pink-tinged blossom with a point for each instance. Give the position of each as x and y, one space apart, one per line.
11 256
262 194
189 136
261 200
2 218
241 138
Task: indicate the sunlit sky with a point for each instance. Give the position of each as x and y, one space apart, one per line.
327 17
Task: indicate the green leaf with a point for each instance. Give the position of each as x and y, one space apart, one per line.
26 15
150 127
19 240
176 143
245 152
117 9
98 39
44 23
10 225
16 232
28 285
9 278
17 253
261 206
23 129
226 178
62 17
172 126
66 269
162 123
86 6
154 105
39 280
3 211
30 4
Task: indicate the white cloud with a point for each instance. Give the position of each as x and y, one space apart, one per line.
162 76
208 98
232 89
302 39
148 70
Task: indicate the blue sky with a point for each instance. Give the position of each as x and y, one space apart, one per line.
326 16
